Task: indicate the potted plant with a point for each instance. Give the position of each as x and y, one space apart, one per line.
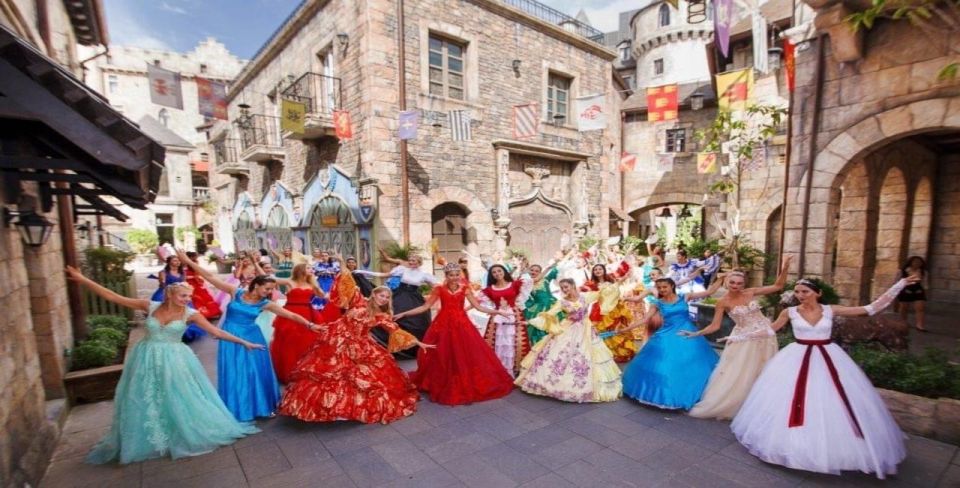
143 242
96 363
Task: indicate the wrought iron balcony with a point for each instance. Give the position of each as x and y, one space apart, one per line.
260 138
227 158
322 95
557 17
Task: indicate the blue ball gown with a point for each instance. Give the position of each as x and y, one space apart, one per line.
245 379
192 332
670 371
164 403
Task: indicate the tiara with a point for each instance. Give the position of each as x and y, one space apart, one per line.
451 267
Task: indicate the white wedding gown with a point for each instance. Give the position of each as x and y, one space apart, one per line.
824 437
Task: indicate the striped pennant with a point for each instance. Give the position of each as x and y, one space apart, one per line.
460 125
526 120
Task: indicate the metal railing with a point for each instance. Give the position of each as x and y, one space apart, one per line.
201 193
225 151
259 130
557 17
320 93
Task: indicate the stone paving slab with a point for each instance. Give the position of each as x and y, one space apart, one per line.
519 440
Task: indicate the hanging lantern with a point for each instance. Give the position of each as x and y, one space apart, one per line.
696 11
696 99
774 57
34 229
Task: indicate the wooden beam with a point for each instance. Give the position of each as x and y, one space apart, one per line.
37 162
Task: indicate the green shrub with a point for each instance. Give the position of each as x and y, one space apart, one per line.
696 248
116 322
93 354
633 244
587 242
106 265
142 241
929 374
106 335
400 251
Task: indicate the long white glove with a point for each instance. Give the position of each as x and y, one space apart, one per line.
886 299
757 334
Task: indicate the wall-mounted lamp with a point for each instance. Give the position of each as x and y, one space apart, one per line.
774 57
34 229
343 39
244 109
558 120
696 99
516 65
495 214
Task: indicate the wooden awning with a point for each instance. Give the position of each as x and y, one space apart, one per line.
57 132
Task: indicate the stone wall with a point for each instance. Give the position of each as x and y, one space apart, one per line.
944 263
35 333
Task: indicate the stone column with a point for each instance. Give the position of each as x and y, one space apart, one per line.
501 218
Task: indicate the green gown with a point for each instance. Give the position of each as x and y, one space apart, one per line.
541 299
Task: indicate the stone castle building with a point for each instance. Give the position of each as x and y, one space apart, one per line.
121 76
481 57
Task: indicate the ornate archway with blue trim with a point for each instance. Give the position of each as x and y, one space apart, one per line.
277 209
334 217
244 223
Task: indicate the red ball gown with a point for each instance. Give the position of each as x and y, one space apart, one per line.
347 375
201 299
462 368
291 340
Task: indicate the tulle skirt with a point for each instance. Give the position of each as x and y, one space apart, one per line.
165 405
826 442
739 366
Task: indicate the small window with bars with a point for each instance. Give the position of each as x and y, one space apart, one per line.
446 60
657 67
558 97
676 140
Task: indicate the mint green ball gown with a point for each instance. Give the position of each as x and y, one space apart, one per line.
165 404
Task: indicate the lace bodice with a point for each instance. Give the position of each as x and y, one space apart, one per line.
803 330
170 332
748 318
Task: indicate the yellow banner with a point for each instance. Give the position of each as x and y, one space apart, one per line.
293 116
735 89
707 163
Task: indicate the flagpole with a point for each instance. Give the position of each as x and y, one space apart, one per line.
402 87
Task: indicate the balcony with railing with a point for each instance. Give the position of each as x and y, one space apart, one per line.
322 96
201 193
260 139
226 152
553 16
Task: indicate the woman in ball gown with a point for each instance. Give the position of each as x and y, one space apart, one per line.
541 298
748 347
462 369
407 296
290 339
670 371
609 313
164 404
687 275
347 375
812 408
201 300
506 333
246 382
571 363
325 268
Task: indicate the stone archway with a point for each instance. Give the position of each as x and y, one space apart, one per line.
849 146
479 223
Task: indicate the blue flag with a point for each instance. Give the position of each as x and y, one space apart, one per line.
408 124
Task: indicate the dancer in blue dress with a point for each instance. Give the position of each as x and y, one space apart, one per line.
670 371
246 382
164 404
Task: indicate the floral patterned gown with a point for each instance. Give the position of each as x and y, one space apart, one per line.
571 363
347 375
607 314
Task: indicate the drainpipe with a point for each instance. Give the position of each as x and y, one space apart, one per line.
815 128
402 87
623 174
786 181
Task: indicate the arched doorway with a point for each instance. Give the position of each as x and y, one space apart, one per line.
278 233
332 227
772 247
449 228
245 234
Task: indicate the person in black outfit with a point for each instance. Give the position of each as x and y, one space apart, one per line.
914 293
363 284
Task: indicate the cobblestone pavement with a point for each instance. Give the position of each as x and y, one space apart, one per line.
520 440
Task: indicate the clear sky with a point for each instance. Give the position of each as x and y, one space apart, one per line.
244 25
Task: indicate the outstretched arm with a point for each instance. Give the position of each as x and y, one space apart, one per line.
212 278
203 323
282 312
480 308
387 258
778 285
431 299
106 293
709 291
782 320
651 311
713 327
880 303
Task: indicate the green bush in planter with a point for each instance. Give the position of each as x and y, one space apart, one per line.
111 337
93 354
116 322
929 374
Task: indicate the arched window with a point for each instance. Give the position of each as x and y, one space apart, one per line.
664 15
164 117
